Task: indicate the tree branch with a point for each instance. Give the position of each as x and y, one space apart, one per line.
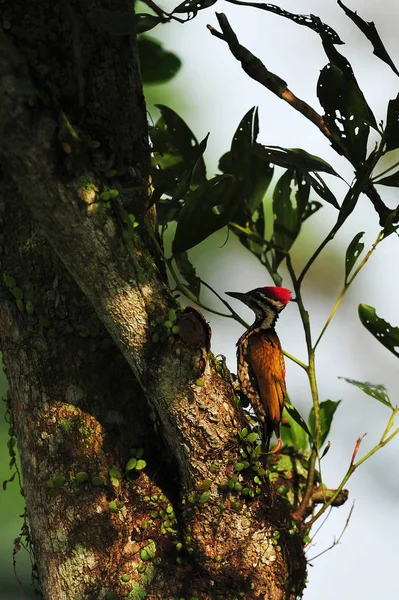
113 267
254 67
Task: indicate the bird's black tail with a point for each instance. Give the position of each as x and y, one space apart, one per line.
267 432
268 428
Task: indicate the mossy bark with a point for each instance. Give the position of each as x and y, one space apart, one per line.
93 371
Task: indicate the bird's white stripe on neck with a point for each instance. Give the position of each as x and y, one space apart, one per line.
266 311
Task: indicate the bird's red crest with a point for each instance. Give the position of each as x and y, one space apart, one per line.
276 293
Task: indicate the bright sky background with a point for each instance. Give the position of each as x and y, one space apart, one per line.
213 94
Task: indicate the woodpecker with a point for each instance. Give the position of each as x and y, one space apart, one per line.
260 359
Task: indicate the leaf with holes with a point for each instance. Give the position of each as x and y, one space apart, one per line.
327 410
292 158
353 252
193 6
391 134
288 209
312 21
188 272
320 187
347 114
311 208
180 135
344 65
383 331
175 151
157 64
207 209
187 178
371 33
374 390
252 174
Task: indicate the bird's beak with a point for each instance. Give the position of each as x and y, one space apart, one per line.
237 295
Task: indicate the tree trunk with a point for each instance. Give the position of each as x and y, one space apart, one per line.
98 383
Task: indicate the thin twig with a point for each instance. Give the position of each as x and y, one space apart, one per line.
354 465
338 540
254 67
299 514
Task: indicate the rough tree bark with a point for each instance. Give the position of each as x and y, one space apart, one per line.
93 375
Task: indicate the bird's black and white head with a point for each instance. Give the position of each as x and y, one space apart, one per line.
266 302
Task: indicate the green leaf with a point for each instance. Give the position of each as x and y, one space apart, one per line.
175 152
187 178
321 188
204 497
97 481
30 309
292 411
58 481
327 410
385 333
115 472
390 180
326 449
146 555
371 33
225 163
9 281
157 64
252 174
141 464
292 433
209 208
310 209
131 464
288 209
81 477
17 293
347 114
352 195
182 136
145 22
376 391
392 127
292 158
353 252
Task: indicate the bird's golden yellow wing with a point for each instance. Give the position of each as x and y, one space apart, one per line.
267 362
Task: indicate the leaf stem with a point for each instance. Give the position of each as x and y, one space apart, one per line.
295 360
316 253
311 371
